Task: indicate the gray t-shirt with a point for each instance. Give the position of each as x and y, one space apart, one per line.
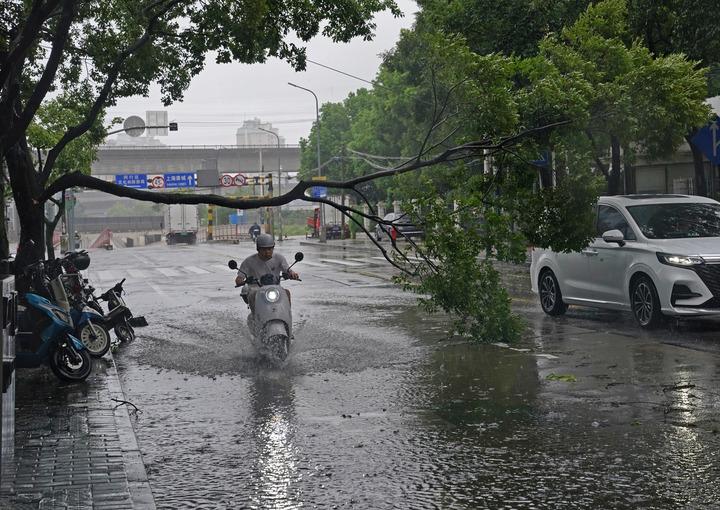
256 267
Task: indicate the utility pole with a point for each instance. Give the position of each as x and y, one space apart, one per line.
317 123
279 209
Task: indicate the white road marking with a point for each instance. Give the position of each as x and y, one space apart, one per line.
197 270
108 275
137 273
311 264
168 271
222 268
368 261
342 262
546 356
157 289
411 259
145 260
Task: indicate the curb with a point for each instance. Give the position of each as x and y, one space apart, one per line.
361 246
138 484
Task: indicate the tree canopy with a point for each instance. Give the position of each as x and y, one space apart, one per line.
97 52
578 81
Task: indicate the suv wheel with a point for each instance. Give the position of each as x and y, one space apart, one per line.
645 303
550 296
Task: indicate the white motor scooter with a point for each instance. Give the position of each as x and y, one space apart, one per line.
271 324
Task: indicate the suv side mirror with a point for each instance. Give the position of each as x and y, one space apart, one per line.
614 236
232 264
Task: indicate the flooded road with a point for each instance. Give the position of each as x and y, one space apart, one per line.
378 407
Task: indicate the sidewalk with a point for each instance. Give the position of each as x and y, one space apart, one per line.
74 446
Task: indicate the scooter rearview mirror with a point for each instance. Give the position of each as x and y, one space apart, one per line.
299 256
232 264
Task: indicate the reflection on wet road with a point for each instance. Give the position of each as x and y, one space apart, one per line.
379 408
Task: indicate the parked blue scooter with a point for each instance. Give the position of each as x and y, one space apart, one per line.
45 331
90 326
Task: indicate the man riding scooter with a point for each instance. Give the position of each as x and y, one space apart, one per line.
265 261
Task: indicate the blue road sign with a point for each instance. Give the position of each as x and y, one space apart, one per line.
543 161
180 180
131 180
707 139
318 192
234 219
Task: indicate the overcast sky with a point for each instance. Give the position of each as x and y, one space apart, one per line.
223 96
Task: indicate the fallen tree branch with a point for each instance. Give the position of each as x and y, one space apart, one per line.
125 402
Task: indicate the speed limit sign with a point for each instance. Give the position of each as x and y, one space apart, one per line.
240 180
226 180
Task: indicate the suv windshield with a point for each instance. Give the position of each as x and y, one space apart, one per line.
677 221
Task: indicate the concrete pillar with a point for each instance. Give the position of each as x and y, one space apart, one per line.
381 209
366 221
487 162
396 206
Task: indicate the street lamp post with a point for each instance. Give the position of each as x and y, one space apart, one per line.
278 183
317 123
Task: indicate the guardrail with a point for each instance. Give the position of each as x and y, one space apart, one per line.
233 233
185 147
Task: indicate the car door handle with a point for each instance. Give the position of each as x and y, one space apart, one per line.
589 253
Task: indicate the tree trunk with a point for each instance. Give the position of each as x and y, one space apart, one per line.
23 179
614 177
629 173
49 246
4 246
699 164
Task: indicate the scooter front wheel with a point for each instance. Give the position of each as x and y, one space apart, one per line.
70 364
95 338
125 332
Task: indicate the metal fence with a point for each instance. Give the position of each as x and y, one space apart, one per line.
90 225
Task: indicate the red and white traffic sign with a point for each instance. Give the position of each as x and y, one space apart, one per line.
240 180
226 180
156 181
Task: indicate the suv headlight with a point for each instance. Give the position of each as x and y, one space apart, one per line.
272 295
680 260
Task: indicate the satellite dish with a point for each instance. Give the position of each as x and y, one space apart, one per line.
134 125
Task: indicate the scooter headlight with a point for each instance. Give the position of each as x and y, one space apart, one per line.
272 295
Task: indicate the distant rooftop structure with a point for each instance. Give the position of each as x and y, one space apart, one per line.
714 103
124 140
250 134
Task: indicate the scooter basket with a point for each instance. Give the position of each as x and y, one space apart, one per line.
137 322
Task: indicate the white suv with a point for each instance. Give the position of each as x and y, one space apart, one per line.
654 255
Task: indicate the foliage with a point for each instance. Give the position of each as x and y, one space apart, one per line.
53 119
511 27
543 215
677 26
635 100
463 284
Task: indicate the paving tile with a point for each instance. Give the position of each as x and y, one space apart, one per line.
74 450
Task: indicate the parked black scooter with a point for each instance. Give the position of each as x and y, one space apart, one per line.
119 317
